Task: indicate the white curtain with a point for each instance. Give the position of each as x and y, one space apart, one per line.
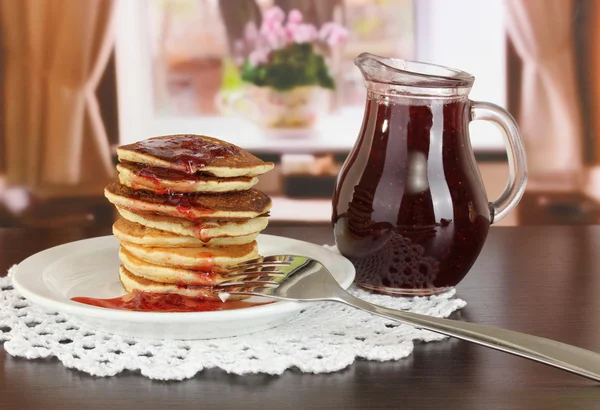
550 117
54 53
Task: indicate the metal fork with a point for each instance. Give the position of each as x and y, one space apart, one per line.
302 279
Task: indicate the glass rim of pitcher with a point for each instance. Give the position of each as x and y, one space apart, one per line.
410 73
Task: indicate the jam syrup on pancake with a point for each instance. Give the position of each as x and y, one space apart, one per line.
195 206
156 187
193 152
163 302
205 275
207 268
209 263
153 178
180 201
156 174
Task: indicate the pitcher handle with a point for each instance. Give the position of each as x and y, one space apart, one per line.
517 163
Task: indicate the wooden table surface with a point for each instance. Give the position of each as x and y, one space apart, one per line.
539 280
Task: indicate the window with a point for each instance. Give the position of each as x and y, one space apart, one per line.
174 61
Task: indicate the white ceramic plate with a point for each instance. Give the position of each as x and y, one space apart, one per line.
90 268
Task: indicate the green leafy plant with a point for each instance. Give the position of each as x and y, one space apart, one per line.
289 67
283 53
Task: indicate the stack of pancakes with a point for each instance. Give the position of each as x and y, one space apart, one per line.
189 212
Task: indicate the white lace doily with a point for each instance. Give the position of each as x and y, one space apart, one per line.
325 337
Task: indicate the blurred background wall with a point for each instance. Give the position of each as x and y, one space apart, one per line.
80 77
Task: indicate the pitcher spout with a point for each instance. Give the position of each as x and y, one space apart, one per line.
427 78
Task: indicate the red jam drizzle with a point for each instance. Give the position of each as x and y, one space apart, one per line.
183 203
202 276
206 269
160 302
185 207
209 262
190 151
151 178
155 187
156 174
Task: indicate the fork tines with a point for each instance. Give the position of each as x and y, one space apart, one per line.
258 265
252 273
248 285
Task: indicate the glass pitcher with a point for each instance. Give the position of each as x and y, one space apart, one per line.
410 209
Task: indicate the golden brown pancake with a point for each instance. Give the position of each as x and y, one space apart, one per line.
231 205
132 282
208 258
205 230
142 235
168 274
164 181
194 153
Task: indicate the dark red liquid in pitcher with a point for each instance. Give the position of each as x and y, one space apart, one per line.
410 210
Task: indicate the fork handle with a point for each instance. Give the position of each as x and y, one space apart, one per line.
550 352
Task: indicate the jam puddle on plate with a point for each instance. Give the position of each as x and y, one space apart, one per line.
161 302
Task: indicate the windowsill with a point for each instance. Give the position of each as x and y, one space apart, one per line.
305 210
334 134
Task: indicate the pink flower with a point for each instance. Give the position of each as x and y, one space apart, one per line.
290 29
277 31
295 31
337 37
294 17
274 36
272 31
326 30
333 33
305 33
273 15
259 56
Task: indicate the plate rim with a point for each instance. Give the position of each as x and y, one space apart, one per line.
95 312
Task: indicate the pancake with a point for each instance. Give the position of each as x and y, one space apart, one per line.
207 231
206 259
138 234
230 205
168 274
193 153
131 283
163 181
